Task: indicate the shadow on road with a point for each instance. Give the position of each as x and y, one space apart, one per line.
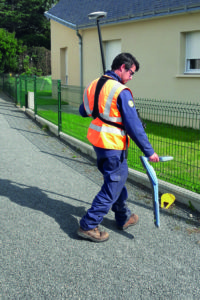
35 198
63 213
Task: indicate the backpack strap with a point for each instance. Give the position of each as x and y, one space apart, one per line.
100 83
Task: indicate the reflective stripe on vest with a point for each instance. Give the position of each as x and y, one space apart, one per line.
106 129
86 102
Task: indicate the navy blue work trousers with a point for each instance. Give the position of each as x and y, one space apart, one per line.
113 193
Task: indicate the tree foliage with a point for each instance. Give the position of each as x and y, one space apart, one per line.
26 18
10 51
25 24
37 61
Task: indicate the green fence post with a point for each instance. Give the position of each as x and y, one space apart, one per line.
17 89
26 93
35 94
59 108
20 90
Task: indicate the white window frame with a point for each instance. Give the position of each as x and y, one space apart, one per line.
192 55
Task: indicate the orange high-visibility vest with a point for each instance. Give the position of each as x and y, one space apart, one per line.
100 134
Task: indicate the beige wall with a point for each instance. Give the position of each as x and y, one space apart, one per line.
63 37
158 44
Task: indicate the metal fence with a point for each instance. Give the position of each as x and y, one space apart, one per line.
172 128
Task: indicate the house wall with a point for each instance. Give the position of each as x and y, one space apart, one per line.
158 44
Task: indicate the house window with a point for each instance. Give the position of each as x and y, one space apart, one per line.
112 49
192 52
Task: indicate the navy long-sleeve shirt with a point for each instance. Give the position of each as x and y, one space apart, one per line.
130 120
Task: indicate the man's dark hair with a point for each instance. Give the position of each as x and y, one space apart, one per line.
127 59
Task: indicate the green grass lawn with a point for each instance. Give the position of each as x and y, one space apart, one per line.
181 143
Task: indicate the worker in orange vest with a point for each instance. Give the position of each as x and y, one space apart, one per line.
115 119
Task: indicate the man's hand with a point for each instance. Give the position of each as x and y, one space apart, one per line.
154 157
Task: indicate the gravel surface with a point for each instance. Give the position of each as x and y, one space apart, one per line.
45 188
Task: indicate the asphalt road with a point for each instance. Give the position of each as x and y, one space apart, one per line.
45 188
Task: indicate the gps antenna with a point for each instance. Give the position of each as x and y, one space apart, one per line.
97 16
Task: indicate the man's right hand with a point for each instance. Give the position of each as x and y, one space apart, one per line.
154 157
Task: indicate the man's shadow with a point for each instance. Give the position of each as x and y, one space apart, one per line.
63 213
34 198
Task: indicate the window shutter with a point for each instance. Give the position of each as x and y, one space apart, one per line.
193 45
113 48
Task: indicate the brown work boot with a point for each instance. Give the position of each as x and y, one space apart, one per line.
132 221
94 235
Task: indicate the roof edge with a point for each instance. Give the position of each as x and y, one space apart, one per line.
61 21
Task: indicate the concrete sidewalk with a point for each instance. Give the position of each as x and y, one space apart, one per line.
45 188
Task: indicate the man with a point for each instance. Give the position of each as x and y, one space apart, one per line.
111 105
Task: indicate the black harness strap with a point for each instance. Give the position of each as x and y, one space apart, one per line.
95 112
99 86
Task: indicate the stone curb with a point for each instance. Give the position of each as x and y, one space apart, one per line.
182 195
